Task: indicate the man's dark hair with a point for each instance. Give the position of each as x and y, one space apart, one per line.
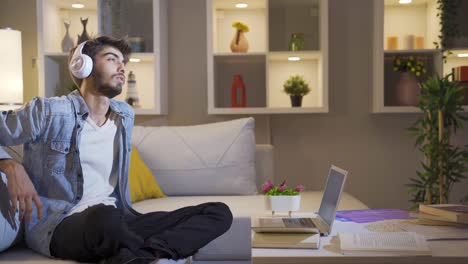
94 46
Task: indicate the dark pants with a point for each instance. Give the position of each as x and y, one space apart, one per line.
102 231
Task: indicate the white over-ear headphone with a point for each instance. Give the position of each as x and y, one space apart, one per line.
81 64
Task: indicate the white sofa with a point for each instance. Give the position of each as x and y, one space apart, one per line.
184 153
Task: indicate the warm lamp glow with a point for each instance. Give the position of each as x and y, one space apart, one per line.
242 5
405 1
294 58
11 67
134 60
462 55
77 5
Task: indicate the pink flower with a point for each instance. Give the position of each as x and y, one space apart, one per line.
299 188
267 186
283 183
282 186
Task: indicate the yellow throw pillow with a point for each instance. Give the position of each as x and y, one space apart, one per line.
143 184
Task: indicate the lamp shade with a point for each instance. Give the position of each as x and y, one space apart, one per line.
11 67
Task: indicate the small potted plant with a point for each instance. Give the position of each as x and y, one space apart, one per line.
239 42
282 198
296 87
410 63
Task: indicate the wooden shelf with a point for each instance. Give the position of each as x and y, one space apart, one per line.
267 110
150 24
411 51
56 54
303 55
238 54
265 67
417 19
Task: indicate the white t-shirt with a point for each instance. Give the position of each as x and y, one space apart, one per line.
97 155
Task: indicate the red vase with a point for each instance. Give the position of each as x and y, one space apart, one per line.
238 96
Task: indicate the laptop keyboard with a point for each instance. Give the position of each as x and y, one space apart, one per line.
298 222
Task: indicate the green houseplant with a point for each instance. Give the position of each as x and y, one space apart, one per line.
296 87
449 30
444 163
441 102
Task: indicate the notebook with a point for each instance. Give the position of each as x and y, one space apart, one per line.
322 223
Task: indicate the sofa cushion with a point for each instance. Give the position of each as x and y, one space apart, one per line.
209 159
143 184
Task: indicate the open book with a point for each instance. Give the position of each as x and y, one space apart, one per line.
384 243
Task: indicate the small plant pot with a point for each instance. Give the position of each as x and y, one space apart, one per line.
283 203
407 90
296 100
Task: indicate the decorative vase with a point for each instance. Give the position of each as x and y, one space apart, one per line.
239 43
296 43
296 100
238 96
67 41
283 203
132 94
84 36
407 90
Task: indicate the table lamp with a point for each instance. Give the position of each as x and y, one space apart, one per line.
11 69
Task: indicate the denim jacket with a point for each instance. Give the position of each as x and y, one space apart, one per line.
50 129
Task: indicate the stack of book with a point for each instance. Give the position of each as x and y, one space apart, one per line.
443 214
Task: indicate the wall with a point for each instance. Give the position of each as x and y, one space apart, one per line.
375 148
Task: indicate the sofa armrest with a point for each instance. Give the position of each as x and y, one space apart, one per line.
264 164
234 245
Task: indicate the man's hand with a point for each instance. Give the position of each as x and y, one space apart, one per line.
21 189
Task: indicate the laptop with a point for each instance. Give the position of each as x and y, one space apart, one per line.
322 223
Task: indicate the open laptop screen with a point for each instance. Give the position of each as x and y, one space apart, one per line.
331 195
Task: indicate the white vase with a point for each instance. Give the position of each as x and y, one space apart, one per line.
283 203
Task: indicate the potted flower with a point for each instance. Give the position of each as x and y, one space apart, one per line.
410 63
411 69
296 87
282 198
239 42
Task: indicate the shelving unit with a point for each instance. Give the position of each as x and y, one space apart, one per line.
405 23
135 18
265 67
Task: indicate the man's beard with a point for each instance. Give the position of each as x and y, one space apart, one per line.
106 89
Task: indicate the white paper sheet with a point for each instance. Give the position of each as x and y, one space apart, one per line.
436 232
404 243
